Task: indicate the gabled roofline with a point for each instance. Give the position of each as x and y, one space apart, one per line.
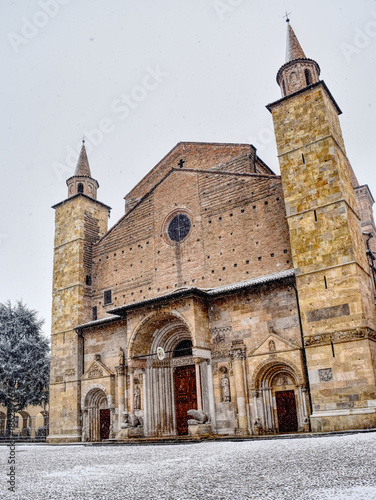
189 143
182 170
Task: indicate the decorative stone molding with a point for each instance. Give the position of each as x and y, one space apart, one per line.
93 386
225 354
182 361
325 374
70 372
267 365
347 335
238 353
218 334
95 372
120 370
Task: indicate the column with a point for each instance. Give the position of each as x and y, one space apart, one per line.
198 383
131 390
211 393
120 393
305 412
237 356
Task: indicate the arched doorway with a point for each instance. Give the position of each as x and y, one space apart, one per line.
280 405
96 416
171 386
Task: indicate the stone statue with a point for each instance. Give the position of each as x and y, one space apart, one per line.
199 417
271 346
84 437
225 384
121 357
131 421
137 398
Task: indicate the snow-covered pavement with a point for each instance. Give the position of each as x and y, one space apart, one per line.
336 467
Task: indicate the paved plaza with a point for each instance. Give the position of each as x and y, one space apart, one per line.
334 467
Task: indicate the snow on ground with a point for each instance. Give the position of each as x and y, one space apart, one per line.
335 467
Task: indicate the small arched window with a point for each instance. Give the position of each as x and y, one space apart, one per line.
308 76
80 187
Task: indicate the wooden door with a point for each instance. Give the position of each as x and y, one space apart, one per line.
286 411
105 422
185 396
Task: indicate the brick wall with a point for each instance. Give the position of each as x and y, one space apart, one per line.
239 231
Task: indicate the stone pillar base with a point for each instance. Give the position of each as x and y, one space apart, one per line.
130 432
199 430
241 432
64 438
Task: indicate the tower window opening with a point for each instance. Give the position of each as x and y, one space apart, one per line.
333 351
308 76
94 313
80 187
303 159
326 283
315 213
88 280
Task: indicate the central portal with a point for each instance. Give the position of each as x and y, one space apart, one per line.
185 396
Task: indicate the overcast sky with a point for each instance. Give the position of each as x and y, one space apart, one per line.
138 76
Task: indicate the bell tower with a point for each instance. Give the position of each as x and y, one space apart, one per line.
336 296
298 71
80 220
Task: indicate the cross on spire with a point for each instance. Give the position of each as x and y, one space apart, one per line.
287 17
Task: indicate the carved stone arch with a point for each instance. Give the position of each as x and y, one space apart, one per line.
155 323
88 390
276 365
96 413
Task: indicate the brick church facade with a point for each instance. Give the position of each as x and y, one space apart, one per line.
226 289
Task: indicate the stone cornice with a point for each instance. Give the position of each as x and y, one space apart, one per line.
341 336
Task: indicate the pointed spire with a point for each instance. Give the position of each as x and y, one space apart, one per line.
293 47
82 168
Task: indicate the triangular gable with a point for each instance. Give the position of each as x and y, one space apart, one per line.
280 345
97 370
194 155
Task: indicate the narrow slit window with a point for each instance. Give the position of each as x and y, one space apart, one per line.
326 283
107 297
333 352
315 215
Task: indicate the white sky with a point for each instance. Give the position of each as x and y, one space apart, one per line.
64 72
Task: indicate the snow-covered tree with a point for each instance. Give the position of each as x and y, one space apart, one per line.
24 360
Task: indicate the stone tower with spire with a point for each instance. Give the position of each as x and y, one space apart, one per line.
80 221
334 283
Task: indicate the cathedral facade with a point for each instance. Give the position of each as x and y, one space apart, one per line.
242 297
